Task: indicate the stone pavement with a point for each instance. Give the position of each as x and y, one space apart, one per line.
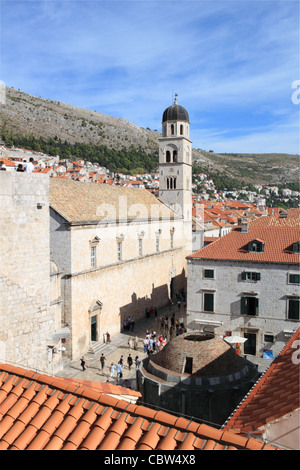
119 347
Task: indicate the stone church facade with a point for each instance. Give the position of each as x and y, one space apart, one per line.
115 262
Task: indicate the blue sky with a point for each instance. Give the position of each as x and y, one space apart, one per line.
234 64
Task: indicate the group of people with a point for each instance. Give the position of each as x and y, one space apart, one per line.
129 324
152 343
118 368
172 326
28 167
133 342
152 311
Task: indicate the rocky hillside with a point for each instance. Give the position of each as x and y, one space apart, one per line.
23 114
26 114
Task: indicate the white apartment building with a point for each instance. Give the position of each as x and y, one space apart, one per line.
248 282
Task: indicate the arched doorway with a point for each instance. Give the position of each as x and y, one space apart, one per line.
94 321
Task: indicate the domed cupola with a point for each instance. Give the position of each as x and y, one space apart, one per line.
175 113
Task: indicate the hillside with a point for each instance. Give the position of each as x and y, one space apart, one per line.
27 115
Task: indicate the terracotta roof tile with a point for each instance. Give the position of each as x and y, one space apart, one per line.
278 235
83 202
268 400
42 413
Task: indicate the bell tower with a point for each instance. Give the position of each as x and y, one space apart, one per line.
175 162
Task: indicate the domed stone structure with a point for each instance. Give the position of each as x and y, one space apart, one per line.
175 113
197 374
200 354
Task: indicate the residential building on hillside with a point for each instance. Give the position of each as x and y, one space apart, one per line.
247 282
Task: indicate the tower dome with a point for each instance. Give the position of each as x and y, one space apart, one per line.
175 113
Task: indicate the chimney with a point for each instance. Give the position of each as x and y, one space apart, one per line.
244 227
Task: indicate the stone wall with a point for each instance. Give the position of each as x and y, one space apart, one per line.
26 318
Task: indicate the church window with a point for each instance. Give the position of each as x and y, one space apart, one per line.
174 183
93 256
168 156
119 251
181 129
93 251
175 156
157 243
172 129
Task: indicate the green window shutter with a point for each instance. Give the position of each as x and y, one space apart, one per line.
209 273
294 309
243 305
258 276
256 306
244 276
208 302
294 278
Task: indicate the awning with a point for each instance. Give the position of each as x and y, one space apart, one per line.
235 339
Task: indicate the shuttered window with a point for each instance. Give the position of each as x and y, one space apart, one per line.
250 276
294 278
209 273
208 302
293 312
249 305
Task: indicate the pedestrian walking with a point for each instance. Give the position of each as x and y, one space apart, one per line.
102 362
112 370
82 363
137 362
136 343
121 360
129 361
119 371
146 343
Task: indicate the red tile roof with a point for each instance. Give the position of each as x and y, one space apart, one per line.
39 412
279 235
274 395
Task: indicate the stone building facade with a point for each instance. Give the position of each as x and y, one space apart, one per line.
120 250
26 315
248 283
